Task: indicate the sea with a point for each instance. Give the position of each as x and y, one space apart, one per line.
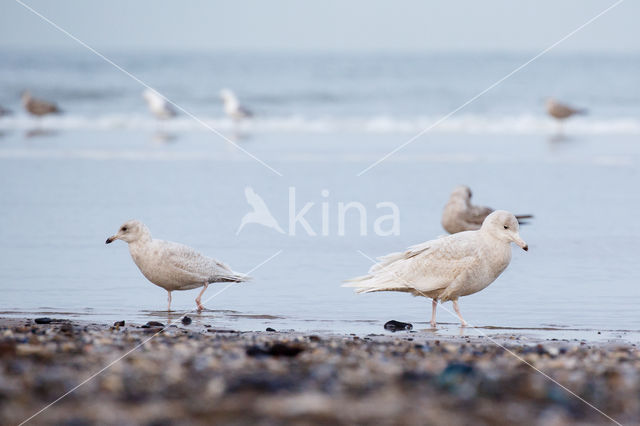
354 156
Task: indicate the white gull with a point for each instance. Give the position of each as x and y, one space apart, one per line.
158 105
232 106
170 265
447 268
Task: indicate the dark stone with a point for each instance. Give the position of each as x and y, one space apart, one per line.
270 329
118 323
43 320
152 324
66 328
186 320
394 326
262 382
416 376
277 350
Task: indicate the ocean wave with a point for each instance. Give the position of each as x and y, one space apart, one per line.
471 124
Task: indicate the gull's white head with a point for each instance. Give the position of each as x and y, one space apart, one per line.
131 231
462 192
152 97
503 226
228 96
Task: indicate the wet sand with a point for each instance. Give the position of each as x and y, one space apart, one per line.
192 374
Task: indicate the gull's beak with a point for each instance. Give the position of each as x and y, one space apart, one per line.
111 239
520 242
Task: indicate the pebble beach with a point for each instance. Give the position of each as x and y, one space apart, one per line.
192 373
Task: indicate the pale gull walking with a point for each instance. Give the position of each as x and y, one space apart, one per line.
158 105
450 267
460 215
232 106
170 265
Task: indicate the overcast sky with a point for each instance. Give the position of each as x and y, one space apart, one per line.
323 25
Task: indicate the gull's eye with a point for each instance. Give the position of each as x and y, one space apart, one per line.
506 227
124 228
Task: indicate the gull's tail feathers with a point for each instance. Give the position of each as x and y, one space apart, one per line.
231 276
238 277
371 283
522 218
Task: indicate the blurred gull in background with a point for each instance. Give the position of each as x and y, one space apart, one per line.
38 107
4 111
561 111
460 215
158 105
232 106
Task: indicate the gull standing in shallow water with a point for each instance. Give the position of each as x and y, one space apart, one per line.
460 215
38 107
561 111
170 265
450 267
232 106
158 105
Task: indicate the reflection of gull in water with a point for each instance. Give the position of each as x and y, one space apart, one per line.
232 106
460 215
38 107
170 265
163 137
449 267
38 132
260 214
158 105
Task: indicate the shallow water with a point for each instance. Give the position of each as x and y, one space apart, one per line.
64 194
68 182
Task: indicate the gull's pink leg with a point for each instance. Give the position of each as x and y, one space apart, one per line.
457 309
434 306
169 298
204 288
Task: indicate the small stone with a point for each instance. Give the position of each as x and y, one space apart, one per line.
277 349
118 323
152 324
43 320
394 326
186 320
66 328
270 329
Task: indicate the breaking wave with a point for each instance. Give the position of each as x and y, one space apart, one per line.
470 124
